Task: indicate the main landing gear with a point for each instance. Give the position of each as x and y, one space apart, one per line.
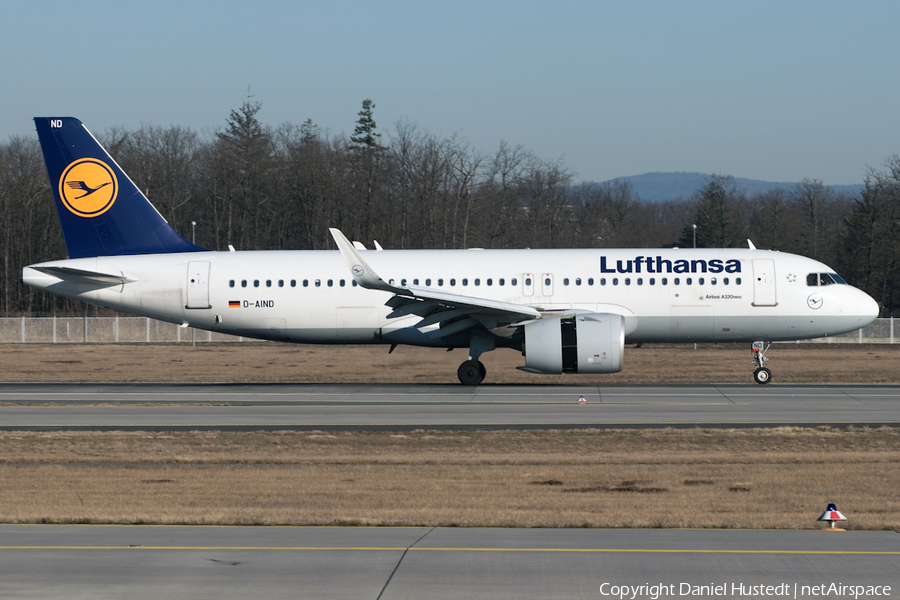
761 375
472 372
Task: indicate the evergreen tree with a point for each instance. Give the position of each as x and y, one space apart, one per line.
717 217
364 134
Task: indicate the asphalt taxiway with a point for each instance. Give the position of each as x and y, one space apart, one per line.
354 406
42 561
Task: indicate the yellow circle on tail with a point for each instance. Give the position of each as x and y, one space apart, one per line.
88 187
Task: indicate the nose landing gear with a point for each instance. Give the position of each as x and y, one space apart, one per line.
762 375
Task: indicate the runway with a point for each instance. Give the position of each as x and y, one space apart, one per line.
338 406
395 563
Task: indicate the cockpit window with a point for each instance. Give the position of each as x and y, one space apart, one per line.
817 279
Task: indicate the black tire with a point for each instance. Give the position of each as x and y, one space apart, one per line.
762 376
471 372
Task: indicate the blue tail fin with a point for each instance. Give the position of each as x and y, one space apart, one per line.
101 211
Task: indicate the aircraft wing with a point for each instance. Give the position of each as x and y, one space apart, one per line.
453 312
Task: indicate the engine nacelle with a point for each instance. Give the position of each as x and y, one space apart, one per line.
585 343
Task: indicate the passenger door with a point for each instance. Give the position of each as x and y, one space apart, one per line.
764 282
198 284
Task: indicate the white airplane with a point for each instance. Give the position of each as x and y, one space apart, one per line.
566 311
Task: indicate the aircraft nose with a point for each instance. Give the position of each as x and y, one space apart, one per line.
867 309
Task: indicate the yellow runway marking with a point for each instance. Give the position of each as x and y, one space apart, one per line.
402 548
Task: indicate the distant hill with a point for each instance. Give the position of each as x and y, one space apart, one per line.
656 187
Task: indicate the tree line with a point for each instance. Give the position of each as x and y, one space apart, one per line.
258 187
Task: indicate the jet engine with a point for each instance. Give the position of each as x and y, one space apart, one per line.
583 343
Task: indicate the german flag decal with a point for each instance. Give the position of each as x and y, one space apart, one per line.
234 304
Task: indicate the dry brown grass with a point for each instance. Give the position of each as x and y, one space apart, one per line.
286 363
763 478
780 478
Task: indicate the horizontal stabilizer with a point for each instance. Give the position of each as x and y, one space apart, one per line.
81 276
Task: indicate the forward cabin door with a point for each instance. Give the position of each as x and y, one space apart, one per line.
764 282
198 284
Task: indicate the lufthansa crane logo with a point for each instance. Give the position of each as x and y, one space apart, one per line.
88 187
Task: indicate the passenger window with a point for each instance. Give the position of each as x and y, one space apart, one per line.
665 281
403 282
676 281
256 283
603 281
640 281
330 282
318 283
628 281
268 283
712 281
566 281
341 282
465 281
477 282
243 283
513 281
452 281
615 281
737 281
415 282
490 281
440 282
688 281
652 281
591 281
725 281
578 281
700 280
528 281
231 283
428 282
306 283
502 281
547 281
353 283
293 283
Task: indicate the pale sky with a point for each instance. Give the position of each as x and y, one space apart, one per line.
767 90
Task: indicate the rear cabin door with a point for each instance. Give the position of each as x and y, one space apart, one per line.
198 284
764 282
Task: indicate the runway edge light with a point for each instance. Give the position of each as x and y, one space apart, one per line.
831 515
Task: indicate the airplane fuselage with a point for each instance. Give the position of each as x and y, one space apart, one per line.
673 295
